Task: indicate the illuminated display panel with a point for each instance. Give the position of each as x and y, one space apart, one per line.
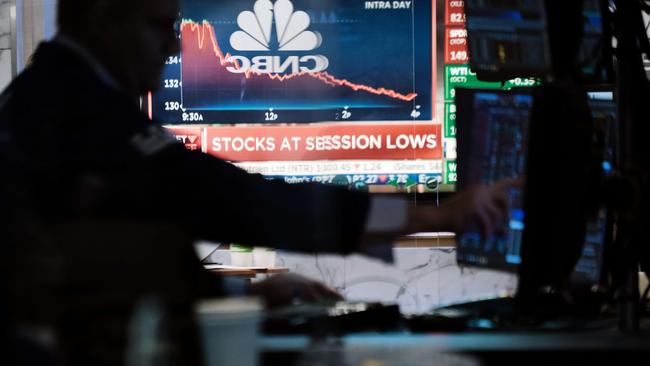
495 127
307 90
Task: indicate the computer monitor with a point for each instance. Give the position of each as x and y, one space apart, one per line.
595 58
493 133
539 38
333 92
508 39
604 112
589 269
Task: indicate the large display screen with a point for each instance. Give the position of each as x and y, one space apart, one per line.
307 62
334 91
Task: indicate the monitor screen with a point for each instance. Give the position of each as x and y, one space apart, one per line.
332 91
589 268
511 39
604 112
595 54
492 145
493 130
508 39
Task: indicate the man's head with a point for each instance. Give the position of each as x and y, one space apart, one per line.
131 38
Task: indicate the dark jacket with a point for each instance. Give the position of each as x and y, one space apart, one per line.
79 148
100 206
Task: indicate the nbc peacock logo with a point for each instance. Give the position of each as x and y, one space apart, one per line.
274 27
290 28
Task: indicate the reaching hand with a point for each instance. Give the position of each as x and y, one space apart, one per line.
282 290
482 206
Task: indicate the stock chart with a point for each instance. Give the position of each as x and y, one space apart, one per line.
299 61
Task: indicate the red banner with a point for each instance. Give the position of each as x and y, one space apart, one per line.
325 142
456 46
455 13
192 137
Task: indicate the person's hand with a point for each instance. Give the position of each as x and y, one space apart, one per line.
287 289
485 207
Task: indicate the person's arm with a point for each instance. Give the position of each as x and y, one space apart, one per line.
390 218
220 202
481 206
225 203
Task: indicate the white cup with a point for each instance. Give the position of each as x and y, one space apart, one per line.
241 256
241 259
264 257
229 331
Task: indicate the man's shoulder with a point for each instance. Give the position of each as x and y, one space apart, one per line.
57 74
58 85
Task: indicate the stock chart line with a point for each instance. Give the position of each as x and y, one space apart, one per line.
204 32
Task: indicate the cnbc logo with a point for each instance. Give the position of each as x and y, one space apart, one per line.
276 27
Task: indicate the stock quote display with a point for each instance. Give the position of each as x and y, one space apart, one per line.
332 91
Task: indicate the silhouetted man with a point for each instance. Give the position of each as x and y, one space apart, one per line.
74 145
78 145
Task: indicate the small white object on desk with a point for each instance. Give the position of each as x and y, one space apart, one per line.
241 255
264 257
241 259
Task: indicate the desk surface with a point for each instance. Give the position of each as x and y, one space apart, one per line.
244 271
427 240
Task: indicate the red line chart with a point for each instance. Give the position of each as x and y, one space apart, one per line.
205 36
